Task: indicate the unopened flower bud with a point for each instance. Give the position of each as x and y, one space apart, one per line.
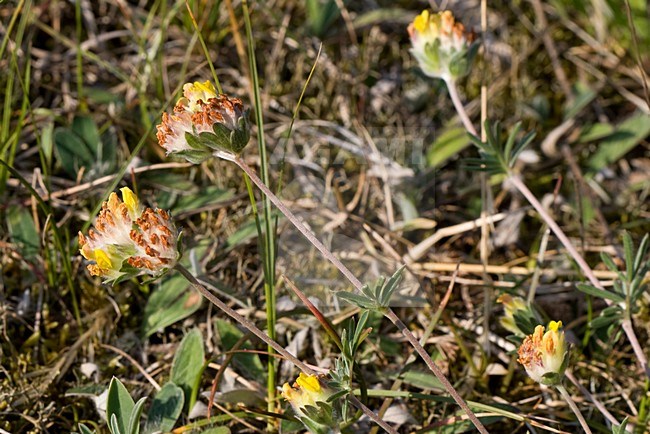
512 307
204 122
129 240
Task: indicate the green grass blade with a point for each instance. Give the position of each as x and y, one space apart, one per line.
269 243
206 52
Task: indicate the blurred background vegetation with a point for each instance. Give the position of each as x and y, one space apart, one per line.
374 164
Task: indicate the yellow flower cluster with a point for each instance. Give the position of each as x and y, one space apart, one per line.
441 45
203 122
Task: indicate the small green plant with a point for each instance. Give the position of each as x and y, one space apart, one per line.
375 296
122 412
346 368
498 156
628 289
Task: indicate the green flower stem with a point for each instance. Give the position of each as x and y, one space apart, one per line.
357 284
246 323
458 104
269 296
574 408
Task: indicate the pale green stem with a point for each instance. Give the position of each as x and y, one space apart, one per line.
573 407
458 104
269 234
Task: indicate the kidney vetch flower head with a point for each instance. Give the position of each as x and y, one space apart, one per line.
204 122
441 45
308 398
129 240
544 354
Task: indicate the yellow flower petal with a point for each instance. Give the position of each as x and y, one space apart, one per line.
554 325
421 22
130 200
206 87
198 91
102 259
308 383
